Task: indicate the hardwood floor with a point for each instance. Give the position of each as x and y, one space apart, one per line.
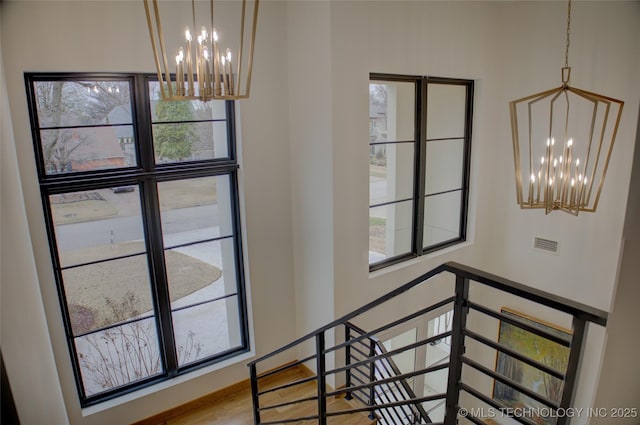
232 405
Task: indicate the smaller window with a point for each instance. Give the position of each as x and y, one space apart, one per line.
419 147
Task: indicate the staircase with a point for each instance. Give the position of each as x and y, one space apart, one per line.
499 364
369 362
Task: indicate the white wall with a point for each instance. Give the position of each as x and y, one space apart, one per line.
112 36
416 38
310 135
619 385
28 355
511 49
604 59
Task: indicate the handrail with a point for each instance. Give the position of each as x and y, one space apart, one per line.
582 311
388 388
565 305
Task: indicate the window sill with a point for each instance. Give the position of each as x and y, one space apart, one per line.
417 260
143 392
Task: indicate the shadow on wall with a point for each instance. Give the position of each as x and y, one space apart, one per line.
8 408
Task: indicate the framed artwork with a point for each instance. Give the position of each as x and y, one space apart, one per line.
537 348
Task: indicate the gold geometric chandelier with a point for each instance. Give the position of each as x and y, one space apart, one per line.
562 143
205 66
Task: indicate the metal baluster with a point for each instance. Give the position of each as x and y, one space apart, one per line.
254 394
322 379
347 351
460 311
372 378
573 367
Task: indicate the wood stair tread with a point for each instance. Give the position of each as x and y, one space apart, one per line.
233 406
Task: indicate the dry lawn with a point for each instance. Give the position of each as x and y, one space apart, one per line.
377 234
103 294
103 203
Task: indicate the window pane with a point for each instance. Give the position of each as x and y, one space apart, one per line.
107 293
188 130
196 209
118 356
187 110
178 142
390 228
207 329
201 272
88 149
391 173
442 218
444 165
391 111
446 109
78 103
97 224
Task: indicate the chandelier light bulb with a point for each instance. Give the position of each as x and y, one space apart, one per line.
204 71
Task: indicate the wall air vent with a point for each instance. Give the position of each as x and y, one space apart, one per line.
546 245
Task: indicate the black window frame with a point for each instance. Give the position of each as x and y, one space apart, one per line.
420 163
146 174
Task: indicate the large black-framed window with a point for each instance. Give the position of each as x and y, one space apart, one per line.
419 156
141 205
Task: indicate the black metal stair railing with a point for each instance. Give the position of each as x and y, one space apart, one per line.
377 371
368 373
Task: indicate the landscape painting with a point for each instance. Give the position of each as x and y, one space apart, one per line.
539 349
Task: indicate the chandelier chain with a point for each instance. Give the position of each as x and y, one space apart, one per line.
566 52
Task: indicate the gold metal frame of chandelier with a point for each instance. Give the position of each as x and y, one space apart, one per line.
162 65
555 186
549 200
